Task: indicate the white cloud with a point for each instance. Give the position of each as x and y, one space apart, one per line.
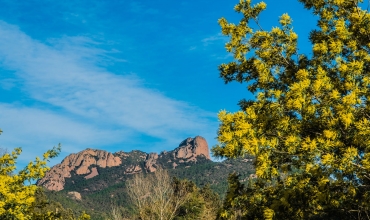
8 83
63 75
37 130
217 37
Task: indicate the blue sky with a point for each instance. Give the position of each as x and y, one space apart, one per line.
118 75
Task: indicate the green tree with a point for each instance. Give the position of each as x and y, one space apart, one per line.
201 203
233 202
309 124
212 202
45 209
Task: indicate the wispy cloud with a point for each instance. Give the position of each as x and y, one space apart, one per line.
8 83
65 81
39 130
212 39
193 48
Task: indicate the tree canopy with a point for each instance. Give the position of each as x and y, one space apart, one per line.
309 124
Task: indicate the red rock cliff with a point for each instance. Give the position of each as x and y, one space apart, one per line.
190 148
80 163
55 177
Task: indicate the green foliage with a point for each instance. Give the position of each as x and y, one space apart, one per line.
214 173
233 202
201 203
212 202
193 206
108 189
308 127
47 209
78 207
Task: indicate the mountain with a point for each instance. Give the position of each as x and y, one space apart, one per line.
86 163
95 179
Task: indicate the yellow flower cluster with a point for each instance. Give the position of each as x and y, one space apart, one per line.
309 121
17 199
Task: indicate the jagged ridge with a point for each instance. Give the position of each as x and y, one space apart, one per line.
87 161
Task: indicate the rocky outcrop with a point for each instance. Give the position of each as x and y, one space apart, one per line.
75 195
174 165
133 169
80 163
94 172
87 162
150 163
190 148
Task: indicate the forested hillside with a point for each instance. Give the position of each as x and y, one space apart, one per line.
108 189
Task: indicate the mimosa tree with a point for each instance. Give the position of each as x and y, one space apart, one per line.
18 194
309 124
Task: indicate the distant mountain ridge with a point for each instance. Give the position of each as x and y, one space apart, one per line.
93 180
87 162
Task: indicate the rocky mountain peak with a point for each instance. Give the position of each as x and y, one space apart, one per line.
150 162
88 162
80 163
190 148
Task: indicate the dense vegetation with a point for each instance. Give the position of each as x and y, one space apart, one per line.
158 196
109 187
19 200
308 126
107 196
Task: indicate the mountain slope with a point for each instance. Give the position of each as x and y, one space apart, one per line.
98 177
